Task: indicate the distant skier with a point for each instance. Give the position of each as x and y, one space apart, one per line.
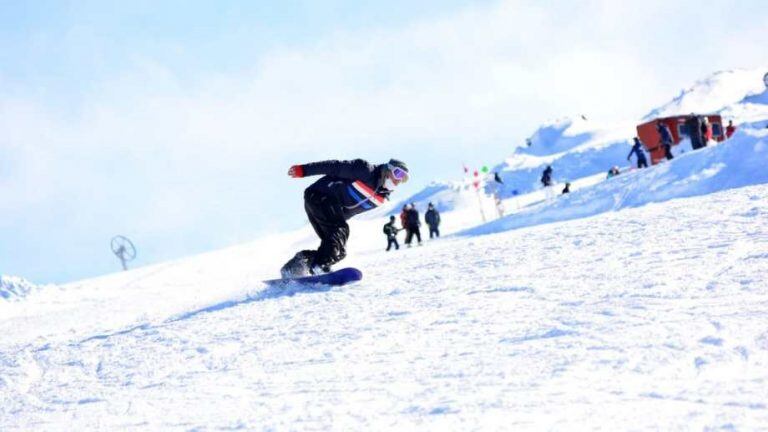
637 149
432 217
404 219
567 188
666 139
412 225
613 172
346 189
730 129
693 126
546 176
391 231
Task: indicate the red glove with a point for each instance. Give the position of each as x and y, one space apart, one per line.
296 171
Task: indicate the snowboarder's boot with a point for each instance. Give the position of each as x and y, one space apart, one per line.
316 270
298 266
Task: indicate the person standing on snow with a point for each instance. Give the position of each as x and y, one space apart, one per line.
567 188
693 130
391 232
404 221
412 225
666 139
637 149
546 176
730 129
346 189
432 217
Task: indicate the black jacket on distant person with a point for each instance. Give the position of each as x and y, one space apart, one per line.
546 176
412 226
432 217
666 135
390 230
412 218
693 129
637 149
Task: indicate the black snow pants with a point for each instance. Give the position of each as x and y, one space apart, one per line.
392 241
326 217
433 231
642 162
668 150
413 231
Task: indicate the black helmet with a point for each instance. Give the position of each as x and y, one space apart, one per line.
398 163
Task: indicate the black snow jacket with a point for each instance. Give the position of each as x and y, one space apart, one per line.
546 176
637 149
390 230
354 186
666 135
412 218
432 217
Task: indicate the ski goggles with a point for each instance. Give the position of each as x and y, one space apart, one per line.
398 173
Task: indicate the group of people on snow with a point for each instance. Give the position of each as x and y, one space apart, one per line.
698 129
411 224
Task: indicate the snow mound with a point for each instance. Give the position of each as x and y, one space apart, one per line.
558 136
13 288
574 149
739 162
715 93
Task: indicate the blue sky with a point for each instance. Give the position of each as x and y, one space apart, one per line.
174 122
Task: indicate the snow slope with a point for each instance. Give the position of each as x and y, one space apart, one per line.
638 302
16 288
738 162
641 317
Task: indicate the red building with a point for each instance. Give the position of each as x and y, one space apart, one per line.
652 140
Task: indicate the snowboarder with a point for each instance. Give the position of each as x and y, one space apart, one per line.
391 232
546 176
666 139
346 189
730 129
412 224
637 149
432 217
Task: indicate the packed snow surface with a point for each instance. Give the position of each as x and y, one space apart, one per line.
653 317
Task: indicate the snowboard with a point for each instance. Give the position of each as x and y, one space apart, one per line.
334 278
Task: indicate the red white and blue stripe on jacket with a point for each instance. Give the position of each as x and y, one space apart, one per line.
363 196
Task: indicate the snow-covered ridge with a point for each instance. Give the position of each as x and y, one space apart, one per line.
13 288
717 93
579 147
